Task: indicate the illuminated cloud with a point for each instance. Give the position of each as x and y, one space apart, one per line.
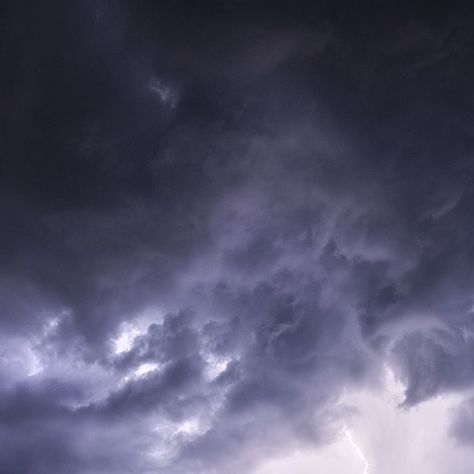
165 93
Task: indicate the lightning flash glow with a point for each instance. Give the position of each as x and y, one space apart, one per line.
357 448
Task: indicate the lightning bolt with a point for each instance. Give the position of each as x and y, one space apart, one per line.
348 435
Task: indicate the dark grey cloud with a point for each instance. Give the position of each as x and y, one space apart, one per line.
463 423
218 217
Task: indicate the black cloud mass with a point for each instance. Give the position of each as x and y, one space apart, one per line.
218 216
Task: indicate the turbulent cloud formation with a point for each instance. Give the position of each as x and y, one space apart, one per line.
229 230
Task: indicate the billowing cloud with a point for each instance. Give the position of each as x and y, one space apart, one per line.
236 238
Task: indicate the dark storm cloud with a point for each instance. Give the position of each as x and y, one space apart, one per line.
273 201
463 423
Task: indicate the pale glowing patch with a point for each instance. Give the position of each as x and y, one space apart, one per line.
394 389
146 368
51 325
170 435
215 366
164 92
128 331
189 427
35 365
336 458
124 341
141 371
32 357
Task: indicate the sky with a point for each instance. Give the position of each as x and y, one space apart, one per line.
236 237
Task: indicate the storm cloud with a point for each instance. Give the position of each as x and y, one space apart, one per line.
219 219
